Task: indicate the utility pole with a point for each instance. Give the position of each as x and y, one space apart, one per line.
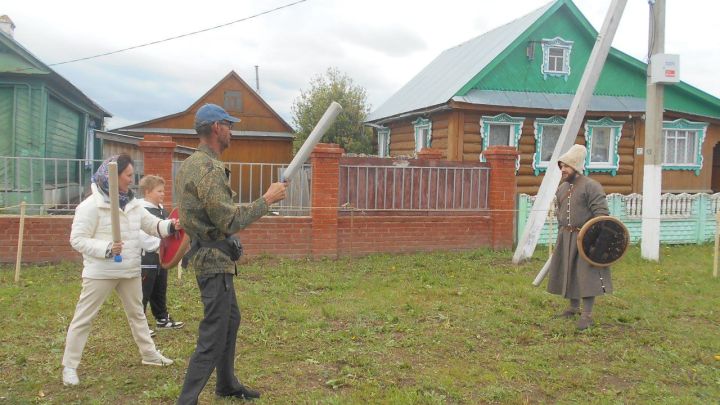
576 114
652 170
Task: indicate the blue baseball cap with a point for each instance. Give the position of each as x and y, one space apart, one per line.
210 113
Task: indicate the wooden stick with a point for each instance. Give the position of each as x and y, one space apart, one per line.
21 232
114 204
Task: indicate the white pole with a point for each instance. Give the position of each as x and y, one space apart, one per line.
528 240
317 133
652 169
21 233
717 244
543 272
114 204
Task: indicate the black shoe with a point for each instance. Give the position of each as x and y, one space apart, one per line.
169 323
242 393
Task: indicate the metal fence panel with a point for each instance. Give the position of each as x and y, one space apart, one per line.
397 188
249 181
48 185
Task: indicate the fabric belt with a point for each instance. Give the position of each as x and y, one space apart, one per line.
570 228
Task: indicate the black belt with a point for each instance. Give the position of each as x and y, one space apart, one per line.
229 246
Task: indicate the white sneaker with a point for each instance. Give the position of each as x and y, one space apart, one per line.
70 376
157 359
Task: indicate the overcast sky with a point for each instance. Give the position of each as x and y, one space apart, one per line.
380 44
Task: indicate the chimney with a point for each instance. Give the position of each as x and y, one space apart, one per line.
257 78
7 26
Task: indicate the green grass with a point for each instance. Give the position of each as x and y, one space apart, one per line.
390 329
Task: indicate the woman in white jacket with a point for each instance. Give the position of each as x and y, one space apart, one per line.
91 235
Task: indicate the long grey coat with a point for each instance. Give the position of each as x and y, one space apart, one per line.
570 275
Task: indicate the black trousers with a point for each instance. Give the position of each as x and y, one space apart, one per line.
154 285
217 336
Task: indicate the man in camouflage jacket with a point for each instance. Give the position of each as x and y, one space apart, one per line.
208 214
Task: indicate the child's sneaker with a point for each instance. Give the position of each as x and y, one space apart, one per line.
168 323
157 359
152 333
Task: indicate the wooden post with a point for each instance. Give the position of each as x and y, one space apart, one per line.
652 169
528 240
21 232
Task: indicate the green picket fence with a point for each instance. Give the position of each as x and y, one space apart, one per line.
684 218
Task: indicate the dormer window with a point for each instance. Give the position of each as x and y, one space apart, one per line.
556 58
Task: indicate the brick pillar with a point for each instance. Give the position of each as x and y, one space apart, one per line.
503 188
157 159
325 160
429 154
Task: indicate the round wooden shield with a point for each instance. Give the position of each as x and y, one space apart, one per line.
603 240
174 247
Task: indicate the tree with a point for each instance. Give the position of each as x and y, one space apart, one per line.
347 130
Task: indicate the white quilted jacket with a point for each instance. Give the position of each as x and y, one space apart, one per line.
92 234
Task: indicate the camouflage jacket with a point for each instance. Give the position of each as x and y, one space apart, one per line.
207 210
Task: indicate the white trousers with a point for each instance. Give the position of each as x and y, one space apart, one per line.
93 295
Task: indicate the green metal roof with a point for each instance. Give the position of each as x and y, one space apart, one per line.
497 61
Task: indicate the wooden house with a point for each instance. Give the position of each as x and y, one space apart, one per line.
514 86
46 128
262 135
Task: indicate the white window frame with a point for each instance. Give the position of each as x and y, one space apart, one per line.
515 124
422 124
613 164
683 125
539 165
566 48
383 142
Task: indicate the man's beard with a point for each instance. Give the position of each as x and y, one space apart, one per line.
570 177
224 144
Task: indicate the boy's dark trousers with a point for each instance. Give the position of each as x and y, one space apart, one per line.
154 285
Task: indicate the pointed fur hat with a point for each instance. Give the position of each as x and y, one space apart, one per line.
575 158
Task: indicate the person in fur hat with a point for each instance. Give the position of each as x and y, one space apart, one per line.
579 199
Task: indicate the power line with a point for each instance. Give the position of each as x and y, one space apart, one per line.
177 36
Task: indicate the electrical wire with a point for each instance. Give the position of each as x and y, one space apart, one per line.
172 38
